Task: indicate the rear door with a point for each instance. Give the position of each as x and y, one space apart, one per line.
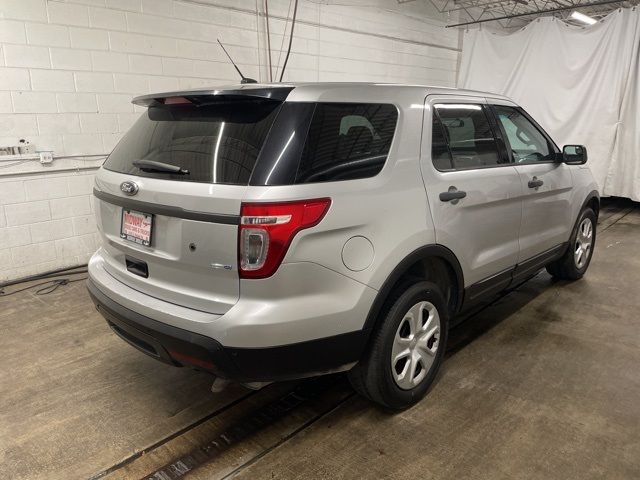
173 235
481 227
546 183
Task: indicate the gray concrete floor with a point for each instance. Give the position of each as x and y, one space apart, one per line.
544 383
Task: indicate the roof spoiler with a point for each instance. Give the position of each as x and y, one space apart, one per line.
203 97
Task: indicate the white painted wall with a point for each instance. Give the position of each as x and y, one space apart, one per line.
68 70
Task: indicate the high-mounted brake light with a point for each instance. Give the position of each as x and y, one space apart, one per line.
176 101
267 229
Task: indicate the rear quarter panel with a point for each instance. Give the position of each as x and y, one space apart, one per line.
390 209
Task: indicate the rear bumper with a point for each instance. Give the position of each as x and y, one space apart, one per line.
180 347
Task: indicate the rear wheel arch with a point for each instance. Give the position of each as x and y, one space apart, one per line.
434 263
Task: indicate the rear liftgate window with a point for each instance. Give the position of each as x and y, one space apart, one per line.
216 143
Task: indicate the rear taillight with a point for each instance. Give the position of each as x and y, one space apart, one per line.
266 231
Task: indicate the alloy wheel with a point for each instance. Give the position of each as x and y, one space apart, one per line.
415 345
584 242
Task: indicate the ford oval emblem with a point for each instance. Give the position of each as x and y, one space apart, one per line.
129 188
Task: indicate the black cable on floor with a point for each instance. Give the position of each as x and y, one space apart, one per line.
55 284
51 286
48 286
52 273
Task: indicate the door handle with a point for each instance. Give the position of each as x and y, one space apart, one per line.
453 195
535 183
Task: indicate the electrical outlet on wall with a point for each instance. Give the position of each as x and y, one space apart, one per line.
46 158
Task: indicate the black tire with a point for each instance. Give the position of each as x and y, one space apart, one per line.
372 377
566 268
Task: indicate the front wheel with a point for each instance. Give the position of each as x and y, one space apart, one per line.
406 349
574 263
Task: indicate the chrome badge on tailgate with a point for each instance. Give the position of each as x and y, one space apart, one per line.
129 188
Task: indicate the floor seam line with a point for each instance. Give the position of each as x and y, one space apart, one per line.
170 437
288 437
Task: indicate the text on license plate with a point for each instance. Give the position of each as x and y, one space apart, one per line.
136 227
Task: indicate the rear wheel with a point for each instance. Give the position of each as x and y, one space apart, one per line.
576 260
406 349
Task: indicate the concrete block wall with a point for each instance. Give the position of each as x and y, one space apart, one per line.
46 222
68 71
366 40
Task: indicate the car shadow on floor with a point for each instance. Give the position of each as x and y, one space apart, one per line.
485 317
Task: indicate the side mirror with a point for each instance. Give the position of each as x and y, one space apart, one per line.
574 154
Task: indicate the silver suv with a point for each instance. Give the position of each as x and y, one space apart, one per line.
271 232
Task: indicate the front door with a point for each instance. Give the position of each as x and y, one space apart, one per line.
473 189
546 183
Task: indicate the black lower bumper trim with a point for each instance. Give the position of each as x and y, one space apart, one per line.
180 347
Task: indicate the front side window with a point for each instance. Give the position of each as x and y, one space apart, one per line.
346 141
468 134
527 143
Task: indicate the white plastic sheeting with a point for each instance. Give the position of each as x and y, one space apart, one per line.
581 84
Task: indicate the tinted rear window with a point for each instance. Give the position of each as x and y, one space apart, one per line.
440 154
469 136
346 141
219 143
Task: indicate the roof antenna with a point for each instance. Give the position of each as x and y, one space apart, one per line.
244 79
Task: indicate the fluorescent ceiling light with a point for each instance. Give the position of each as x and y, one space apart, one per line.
581 17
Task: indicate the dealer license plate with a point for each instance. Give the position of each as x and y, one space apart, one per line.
136 227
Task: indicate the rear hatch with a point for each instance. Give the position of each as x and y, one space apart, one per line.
169 195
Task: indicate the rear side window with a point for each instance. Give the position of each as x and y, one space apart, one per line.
218 143
346 141
468 135
440 154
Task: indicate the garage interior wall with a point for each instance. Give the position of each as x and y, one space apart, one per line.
68 71
581 83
